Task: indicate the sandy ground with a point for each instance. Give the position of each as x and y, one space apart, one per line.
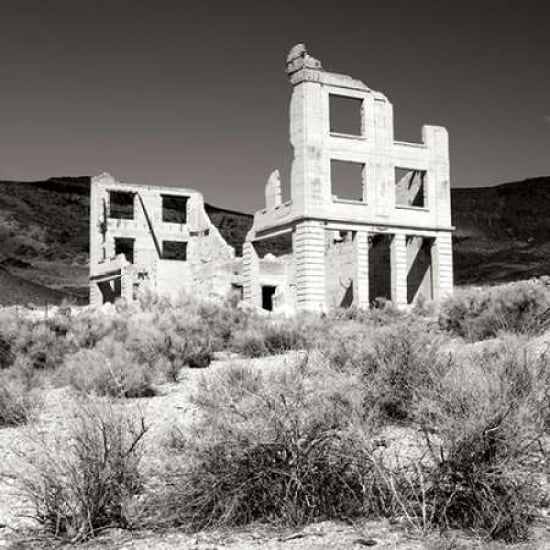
18 532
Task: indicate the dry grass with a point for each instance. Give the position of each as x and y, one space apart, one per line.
80 483
303 441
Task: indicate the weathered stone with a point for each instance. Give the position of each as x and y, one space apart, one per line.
397 227
166 243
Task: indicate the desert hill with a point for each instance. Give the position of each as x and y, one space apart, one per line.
503 233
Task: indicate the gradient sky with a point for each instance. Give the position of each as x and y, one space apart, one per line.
193 93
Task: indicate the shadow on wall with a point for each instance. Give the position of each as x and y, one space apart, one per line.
419 276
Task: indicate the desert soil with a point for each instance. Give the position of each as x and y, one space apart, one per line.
18 532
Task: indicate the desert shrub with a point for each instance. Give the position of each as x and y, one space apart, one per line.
16 403
273 446
41 344
272 336
484 421
250 342
81 482
347 345
108 369
381 313
399 360
6 353
222 320
217 319
89 327
182 332
477 314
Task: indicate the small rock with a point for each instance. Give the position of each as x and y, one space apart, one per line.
365 542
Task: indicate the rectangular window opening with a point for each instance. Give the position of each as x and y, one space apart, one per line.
410 187
174 250
347 180
278 246
125 246
346 115
174 209
121 205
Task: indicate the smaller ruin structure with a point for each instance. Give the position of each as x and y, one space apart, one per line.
159 237
368 217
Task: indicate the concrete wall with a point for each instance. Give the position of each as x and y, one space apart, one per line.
208 269
385 206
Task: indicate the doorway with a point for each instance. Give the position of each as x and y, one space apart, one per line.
267 296
380 267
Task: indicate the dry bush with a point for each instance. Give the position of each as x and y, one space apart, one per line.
484 421
381 313
347 345
274 446
16 402
82 482
477 314
275 335
6 354
108 369
398 361
217 319
9 327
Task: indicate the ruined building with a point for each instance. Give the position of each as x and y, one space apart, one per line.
388 237
338 242
155 236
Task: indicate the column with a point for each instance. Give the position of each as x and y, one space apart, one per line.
309 254
361 270
251 275
399 270
442 265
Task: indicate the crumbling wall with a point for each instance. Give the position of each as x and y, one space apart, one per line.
204 265
349 171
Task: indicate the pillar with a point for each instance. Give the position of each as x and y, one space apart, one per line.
399 270
252 292
361 270
309 255
442 265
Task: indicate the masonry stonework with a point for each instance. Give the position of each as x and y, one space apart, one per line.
391 240
155 237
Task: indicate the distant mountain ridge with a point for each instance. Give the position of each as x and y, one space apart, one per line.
502 233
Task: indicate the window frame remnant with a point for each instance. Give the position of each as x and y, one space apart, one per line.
174 250
122 246
335 186
121 205
346 115
420 199
174 208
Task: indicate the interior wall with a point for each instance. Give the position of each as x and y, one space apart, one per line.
339 269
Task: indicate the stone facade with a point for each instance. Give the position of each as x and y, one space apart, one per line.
159 237
390 238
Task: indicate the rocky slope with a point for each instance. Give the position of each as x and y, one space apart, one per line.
503 233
